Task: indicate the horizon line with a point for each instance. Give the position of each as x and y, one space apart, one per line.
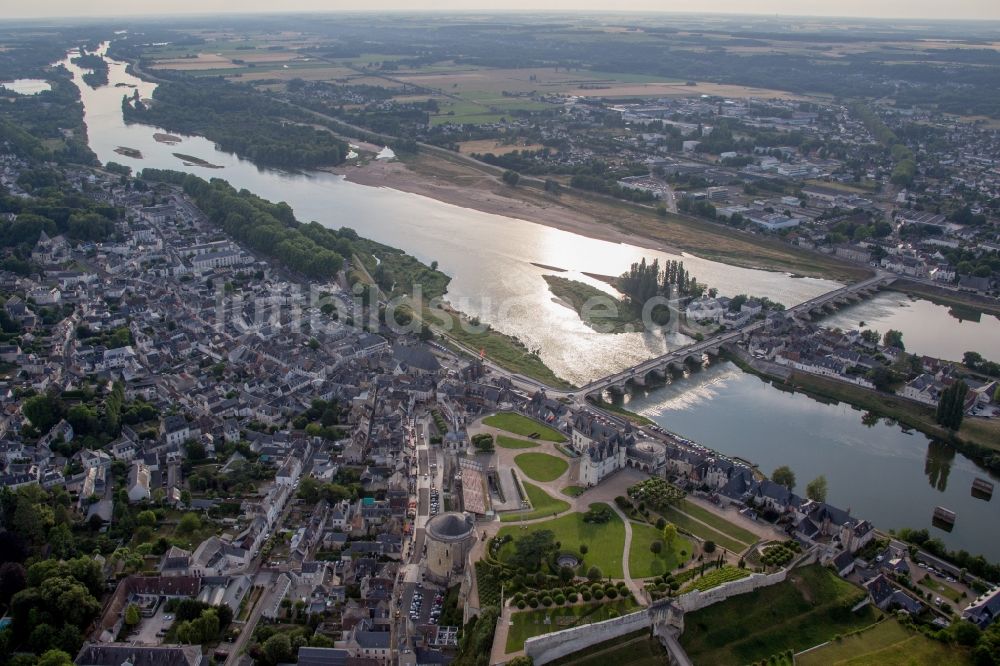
222 13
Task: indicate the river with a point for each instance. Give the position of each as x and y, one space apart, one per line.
928 328
892 477
491 259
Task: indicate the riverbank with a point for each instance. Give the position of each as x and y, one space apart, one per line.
454 180
637 419
978 438
948 297
475 338
600 311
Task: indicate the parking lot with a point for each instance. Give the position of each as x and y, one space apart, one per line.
152 629
422 603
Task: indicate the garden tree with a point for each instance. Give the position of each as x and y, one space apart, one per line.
277 649
784 476
132 616
44 411
816 489
871 336
476 641
146 518
54 658
669 535
521 661
32 516
656 547
189 523
709 547
533 549
61 541
195 450
951 405
511 177
594 573
893 338
13 579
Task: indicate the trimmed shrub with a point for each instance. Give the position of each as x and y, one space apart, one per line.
598 594
546 601
585 595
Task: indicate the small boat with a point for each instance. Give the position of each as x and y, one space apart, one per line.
982 489
944 518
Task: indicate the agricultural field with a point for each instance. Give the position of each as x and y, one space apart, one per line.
522 425
605 541
643 563
887 643
541 466
483 146
811 607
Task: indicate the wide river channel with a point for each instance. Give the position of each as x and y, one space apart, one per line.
880 472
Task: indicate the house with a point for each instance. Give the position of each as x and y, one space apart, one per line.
984 609
311 656
117 654
843 564
175 430
885 596
365 643
138 482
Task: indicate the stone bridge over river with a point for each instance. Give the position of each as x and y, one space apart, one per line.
661 365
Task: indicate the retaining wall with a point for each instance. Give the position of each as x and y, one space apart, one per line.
543 649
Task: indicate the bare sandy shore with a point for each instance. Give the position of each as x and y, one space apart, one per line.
487 196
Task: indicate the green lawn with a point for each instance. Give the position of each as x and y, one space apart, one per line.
811 607
541 466
527 624
686 523
940 588
643 563
505 442
886 643
605 541
573 491
522 425
719 523
542 505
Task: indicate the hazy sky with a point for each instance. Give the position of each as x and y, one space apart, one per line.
950 9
